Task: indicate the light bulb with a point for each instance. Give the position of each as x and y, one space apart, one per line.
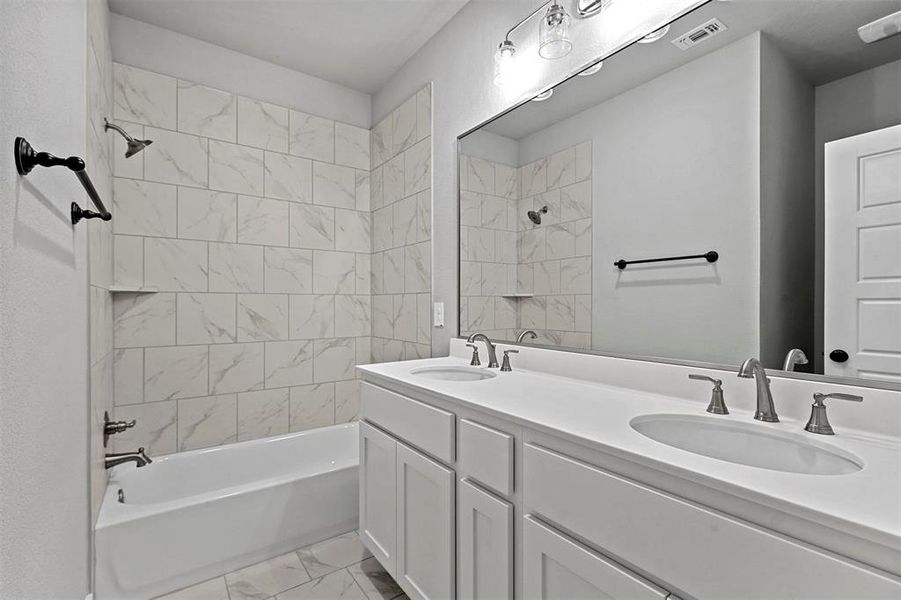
592 69
654 35
503 62
553 37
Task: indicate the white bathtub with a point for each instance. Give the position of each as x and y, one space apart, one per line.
195 515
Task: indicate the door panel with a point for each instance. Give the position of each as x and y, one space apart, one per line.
555 567
425 526
486 544
378 495
862 304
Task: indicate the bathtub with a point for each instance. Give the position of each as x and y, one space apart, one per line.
191 516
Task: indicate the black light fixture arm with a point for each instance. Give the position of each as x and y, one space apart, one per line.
27 159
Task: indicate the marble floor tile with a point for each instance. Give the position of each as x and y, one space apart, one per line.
333 554
267 578
337 585
214 589
375 582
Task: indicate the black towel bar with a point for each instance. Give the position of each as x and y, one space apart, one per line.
711 257
27 158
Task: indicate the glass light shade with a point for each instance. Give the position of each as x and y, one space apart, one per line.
543 95
553 37
503 62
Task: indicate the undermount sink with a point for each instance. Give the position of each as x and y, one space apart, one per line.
746 444
454 373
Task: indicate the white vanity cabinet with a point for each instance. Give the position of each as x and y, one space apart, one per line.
461 503
407 499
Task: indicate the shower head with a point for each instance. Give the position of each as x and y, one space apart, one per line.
134 146
535 215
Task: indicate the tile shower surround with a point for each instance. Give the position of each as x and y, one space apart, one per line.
503 252
253 223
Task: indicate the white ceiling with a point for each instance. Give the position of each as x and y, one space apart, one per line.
818 36
357 43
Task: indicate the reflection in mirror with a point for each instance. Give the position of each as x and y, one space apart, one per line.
767 132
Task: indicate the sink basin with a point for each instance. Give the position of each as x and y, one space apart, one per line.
746 444
454 373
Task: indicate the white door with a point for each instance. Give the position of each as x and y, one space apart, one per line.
862 305
486 544
425 526
557 568
378 495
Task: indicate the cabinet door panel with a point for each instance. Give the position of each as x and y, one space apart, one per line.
378 495
486 544
425 526
555 567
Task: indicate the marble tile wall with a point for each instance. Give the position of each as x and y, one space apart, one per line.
489 226
401 200
555 257
516 275
252 223
99 82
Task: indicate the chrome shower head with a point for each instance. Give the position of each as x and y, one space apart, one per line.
535 215
134 146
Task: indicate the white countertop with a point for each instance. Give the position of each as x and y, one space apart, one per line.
865 505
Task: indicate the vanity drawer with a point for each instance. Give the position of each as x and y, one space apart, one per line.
556 567
428 428
486 455
680 542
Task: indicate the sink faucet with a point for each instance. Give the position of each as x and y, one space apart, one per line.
492 355
765 409
139 458
527 332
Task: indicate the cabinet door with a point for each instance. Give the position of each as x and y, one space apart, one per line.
378 495
556 567
486 544
425 526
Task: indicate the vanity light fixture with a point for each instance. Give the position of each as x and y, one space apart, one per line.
589 8
553 38
503 62
654 35
543 95
592 69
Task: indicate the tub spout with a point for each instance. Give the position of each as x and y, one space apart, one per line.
139 458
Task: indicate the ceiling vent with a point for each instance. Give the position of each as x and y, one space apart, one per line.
700 34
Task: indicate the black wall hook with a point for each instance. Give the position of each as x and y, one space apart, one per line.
27 159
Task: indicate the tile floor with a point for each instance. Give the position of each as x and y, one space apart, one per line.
337 568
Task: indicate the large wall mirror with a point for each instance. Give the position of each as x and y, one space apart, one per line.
766 150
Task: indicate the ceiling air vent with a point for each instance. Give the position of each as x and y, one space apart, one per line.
699 34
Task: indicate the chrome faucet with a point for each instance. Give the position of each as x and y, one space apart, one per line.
765 409
139 458
492 355
794 357
528 332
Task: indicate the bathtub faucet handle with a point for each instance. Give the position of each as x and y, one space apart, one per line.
114 427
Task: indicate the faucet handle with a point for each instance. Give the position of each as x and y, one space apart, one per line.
819 422
717 404
505 366
475 362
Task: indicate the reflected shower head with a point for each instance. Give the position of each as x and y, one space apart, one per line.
134 146
535 215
